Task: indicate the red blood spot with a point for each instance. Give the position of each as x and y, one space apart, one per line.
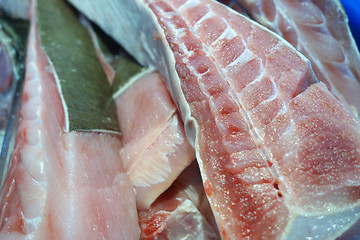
155 224
276 185
269 163
224 235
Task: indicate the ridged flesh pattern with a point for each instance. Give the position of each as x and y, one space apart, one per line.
62 185
319 29
270 143
155 150
278 154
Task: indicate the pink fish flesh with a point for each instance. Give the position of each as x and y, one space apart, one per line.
259 122
155 149
319 29
176 214
278 154
56 187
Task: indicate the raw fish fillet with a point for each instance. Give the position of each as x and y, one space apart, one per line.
319 29
155 149
176 213
278 154
62 185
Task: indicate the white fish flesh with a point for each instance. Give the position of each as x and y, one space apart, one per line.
56 187
155 149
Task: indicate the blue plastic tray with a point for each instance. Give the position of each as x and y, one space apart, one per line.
352 8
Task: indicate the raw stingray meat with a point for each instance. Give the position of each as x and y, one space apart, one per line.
177 213
278 154
155 149
319 29
56 187
264 144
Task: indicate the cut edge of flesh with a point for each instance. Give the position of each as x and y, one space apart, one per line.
308 32
153 156
39 199
148 56
155 149
181 212
190 125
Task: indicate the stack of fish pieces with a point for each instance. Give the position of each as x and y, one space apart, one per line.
278 152
90 170
155 150
63 184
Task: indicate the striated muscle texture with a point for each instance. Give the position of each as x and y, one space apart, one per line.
319 29
179 213
154 146
262 162
155 150
278 154
56 187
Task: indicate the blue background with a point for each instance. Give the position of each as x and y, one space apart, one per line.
352 8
